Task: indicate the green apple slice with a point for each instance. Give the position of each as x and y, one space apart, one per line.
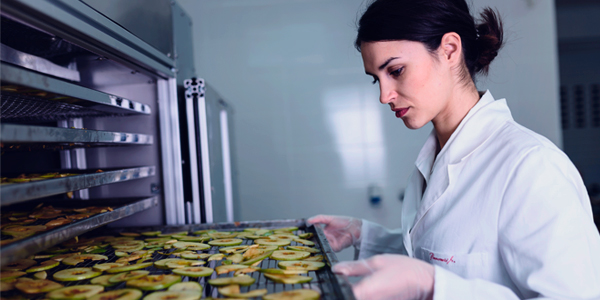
151 233
283 236
300 294
40 275
23 230
75 259
75 292
282 271
194 271
223 269
128 276
106 266
75 274
128 246
222 235
314 258
154 282
302 248
163 262
241 280
236 258
184 263
194 255
262 231
186 286
45 265
300 265
128 268
233 249
287 279
254 237
204 232
102 280
256 257
233 291
37 286
251 229
267 247
122 294
225 242
191 246
195 239
174 295
305 242
129 234
289 255
292 228
7 275
306 236
270 242
20 265
217 256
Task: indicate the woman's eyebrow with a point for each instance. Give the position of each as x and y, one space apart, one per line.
387 62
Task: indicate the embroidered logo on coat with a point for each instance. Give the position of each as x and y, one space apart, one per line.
446 260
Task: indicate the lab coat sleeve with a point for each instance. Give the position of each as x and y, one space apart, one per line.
546 236
376 239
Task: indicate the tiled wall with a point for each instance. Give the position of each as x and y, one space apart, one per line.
311 134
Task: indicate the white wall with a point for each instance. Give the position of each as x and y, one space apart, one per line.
311 134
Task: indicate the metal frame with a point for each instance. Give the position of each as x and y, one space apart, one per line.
227 172
29 61
26 247
20 192
194 88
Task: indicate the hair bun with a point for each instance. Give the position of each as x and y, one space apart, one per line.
490 39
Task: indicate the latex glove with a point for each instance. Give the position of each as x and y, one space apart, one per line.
341 232
390 276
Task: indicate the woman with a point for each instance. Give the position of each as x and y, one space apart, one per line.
492 209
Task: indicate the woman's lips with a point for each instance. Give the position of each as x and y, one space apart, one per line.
400 112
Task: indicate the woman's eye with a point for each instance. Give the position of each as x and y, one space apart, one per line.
396 72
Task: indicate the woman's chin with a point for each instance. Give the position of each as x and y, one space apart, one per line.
410 124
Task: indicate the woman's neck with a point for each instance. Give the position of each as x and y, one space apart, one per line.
459 105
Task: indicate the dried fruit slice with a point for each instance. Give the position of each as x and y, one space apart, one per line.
233 249
191 246
20 265
222 235
129 234
6 275
128 276
183 263
128 268
283 236
236 258
225 242
75 292
266 247
106 266
6 286
37 286
45 265
289 255
194 238
40 275
154 282
194 255
314 258
122 294
270 242
241 280
223 269
75 259
305 242
288 279
151 233
75 274
174 295
306 236
102 280
163 262
217 256
302 248
194 271
23 230
233 291
301 294
204 232
300 265
282 271
262 254
291 228
186 286
128 246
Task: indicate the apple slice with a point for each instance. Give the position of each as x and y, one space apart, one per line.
6 286
282 271
121 294
154 282
217 256
75 274
40 275
306 236
7 275
223 269
37 286
75 259
19 231
233 291
314 258
20 265
186 286
300 265
195 239
241 280
302 248
75 292
128 276
225 242
106 266
257 258
233 249
288 279
178 264
102 280
300 294
283 236
194 271
151 233
191 246
128 268
289 255
222 235
194 255
174 295
305 242
236 258
45 265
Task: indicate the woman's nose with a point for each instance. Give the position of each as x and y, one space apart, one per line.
386 95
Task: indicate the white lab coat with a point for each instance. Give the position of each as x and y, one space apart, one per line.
504 215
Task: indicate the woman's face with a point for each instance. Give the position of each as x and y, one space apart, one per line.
411 80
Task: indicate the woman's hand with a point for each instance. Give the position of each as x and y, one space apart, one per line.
341 232
390 276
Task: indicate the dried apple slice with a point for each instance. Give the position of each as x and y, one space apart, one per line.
129 234
75 274
233 249
305 242
270 242
128 276
241 280
37 286
217 256
250 260
194 255
102 280
300 294
6 286
233 291
128 268
222 235
223 269
20 265
314 258
306 236
236 258
287 279
40 275
106 266
302 248
301 265
122 294
191 246
198 239
79 258
20 231
174 295
6 275
151 233
186 286
75 292
289 255
194 271
225 242
154 282
178 264
282 271
283 236
45 265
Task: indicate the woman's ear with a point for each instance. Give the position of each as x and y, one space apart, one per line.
451 49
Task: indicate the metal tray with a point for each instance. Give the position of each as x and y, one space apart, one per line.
122 208
26 137
30 96
19 192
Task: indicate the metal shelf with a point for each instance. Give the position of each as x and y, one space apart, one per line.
19 192
31 245
26 137
30 96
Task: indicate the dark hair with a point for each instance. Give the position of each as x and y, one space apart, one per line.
427 21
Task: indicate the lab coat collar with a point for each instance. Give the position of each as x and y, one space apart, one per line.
478 125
